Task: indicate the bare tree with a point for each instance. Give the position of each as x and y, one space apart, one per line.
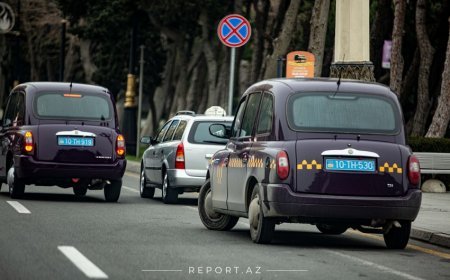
317 35
426 58
441 117
396 54
281 43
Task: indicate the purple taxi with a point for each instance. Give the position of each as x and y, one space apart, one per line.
62 134
326 152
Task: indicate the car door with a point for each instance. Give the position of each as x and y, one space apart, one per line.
152 165
239 147
220 164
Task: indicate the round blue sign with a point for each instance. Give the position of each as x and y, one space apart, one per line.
234 30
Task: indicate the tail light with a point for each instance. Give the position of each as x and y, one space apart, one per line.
179 157
282 165
413 170
120 145
28 141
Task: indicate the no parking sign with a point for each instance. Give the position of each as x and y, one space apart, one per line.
234 31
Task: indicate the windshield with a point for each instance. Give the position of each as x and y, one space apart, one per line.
342 112
199 133
78 106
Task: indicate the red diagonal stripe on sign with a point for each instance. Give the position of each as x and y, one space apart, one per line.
234 30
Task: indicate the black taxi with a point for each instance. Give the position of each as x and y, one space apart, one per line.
331 153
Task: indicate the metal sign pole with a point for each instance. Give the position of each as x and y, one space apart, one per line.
141 86
231 86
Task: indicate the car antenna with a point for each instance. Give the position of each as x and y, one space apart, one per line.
339 78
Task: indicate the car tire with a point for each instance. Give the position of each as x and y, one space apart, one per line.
112 190
169 195
80 190
145 192
331 229
211 219
261 228
397 238
16 185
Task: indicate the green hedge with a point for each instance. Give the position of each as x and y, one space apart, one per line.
430 145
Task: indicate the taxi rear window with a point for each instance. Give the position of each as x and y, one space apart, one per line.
199 133
79 106
343 113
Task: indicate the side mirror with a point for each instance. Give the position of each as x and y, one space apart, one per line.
219 130
148 140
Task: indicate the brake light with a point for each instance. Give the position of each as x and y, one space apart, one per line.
282 165
413 170
179 157
29 145
120 145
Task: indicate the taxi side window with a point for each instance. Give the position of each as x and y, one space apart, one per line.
20 113
266 115
179 132
171 131
10 110
250 114
162 132
238 119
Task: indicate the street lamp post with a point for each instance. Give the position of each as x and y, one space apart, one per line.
351 43
130 106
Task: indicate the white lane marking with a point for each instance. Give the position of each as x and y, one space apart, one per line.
196 209
19 207
377 266
130 189
191 208
83 263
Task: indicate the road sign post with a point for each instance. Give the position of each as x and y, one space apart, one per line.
234 31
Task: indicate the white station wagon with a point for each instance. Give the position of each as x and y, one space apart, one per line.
177 159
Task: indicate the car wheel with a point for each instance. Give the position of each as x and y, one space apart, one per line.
169 195
211 219
112 190
145 192
331 229
80 190
16 185
397 238
261 228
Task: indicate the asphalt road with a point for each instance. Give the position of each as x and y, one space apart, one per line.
51 234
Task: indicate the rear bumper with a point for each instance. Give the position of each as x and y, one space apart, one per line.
178 178
280 201
29 169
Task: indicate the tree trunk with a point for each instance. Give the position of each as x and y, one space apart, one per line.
441 117
261 8
380 30
396 53
317 35
281 43
426 58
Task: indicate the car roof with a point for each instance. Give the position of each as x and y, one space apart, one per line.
62 86
203 118
289 85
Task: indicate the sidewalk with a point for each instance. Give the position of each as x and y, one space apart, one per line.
432 225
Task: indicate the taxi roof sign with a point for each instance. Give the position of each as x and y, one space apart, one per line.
215 111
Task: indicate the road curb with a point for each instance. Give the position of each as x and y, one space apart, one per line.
436 238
